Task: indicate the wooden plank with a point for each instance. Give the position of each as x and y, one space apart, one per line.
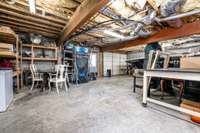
22 21
39 46
165 34
27 13
54 13
39 59
30 18
27 30
82 14
7 54
27 26
7 37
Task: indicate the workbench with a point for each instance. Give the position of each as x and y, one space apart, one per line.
184 74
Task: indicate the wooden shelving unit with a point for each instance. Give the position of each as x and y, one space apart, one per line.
33 59
33 47
11 38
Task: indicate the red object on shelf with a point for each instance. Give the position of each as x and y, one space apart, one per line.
6 64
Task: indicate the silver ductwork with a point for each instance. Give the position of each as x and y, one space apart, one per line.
174 17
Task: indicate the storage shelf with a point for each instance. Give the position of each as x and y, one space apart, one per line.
7 38
39 47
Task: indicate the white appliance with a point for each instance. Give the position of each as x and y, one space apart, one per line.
6 89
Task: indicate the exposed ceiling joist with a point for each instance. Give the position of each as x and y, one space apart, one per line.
54 13
22 21
11 8
83 13
165 34
27 30
30 18
27 26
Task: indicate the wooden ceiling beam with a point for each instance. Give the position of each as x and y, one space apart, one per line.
27 30
30 18
165 34
27 13
26 22
27 26
54 13
82 14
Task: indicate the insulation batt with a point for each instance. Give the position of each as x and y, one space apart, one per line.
170 7
191 5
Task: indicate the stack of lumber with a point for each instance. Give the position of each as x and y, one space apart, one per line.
6 30
194 106
5 47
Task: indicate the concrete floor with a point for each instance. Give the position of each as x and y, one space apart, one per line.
102 106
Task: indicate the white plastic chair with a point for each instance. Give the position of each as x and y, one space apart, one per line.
59 78
36 77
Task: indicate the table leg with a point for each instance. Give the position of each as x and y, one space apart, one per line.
134 83
145 90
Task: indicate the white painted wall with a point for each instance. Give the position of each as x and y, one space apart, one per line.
114 61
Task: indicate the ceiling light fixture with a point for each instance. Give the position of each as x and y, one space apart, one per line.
114 34
32 6
118 4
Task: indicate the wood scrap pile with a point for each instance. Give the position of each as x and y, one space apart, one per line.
191 105
7 30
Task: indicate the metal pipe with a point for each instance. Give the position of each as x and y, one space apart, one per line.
177 16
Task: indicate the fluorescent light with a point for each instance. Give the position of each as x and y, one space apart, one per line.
118 4
32 6
114 34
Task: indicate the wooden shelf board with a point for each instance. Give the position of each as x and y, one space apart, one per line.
39 47
39 59
46 59
68 59
7 54
68 51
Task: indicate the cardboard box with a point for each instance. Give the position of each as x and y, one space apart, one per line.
190 63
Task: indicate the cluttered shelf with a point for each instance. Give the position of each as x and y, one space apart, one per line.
39 47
